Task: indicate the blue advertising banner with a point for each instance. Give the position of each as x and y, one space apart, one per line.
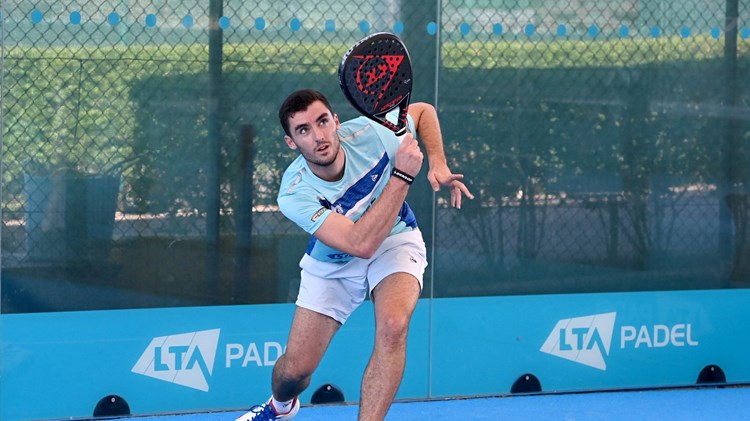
57 365
588 341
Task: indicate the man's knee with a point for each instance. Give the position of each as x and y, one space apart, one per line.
393 329
293 369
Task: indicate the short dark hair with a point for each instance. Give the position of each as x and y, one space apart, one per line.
299 101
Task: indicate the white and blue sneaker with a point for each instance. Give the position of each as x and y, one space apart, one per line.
267 411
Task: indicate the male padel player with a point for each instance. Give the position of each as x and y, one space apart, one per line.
347 189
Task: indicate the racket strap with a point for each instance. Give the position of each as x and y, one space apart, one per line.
402 175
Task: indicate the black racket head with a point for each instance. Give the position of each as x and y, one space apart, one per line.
375 77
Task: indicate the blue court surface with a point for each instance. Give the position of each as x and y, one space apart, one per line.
705 403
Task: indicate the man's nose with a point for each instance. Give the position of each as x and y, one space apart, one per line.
318 133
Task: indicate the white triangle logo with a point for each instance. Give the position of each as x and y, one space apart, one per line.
585 340
186 359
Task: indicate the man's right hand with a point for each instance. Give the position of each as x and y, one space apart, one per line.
408 156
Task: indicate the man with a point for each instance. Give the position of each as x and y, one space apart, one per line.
347 189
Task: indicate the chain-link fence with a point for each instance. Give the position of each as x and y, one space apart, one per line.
142 153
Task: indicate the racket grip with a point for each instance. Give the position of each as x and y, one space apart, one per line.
401 133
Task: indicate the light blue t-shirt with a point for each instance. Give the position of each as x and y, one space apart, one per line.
308 200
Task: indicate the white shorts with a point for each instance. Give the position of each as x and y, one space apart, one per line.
336 290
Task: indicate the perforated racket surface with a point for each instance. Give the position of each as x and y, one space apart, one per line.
375 77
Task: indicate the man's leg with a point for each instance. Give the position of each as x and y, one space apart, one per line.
309 338
395 299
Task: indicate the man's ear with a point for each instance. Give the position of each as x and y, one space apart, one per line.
290 143
336 119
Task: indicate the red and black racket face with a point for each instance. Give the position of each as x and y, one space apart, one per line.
375 76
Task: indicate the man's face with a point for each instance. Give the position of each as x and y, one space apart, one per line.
313 132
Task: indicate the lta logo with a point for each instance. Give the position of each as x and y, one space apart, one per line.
186 359
585 340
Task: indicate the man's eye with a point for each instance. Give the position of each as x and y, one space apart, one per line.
302 131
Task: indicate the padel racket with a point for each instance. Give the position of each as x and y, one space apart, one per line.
375 77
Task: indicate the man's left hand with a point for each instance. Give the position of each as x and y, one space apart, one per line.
442 176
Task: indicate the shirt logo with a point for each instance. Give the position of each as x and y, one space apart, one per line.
317 214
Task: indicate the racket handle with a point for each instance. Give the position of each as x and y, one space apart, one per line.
401 133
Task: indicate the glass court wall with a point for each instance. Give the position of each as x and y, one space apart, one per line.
606 145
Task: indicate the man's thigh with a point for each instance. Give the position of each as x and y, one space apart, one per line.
396 296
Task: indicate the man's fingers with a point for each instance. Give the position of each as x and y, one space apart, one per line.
454 177
456 198
457 191
448 182
465 190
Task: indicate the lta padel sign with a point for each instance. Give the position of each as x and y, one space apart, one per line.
587 340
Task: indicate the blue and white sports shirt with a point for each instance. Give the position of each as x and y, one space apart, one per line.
308 200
